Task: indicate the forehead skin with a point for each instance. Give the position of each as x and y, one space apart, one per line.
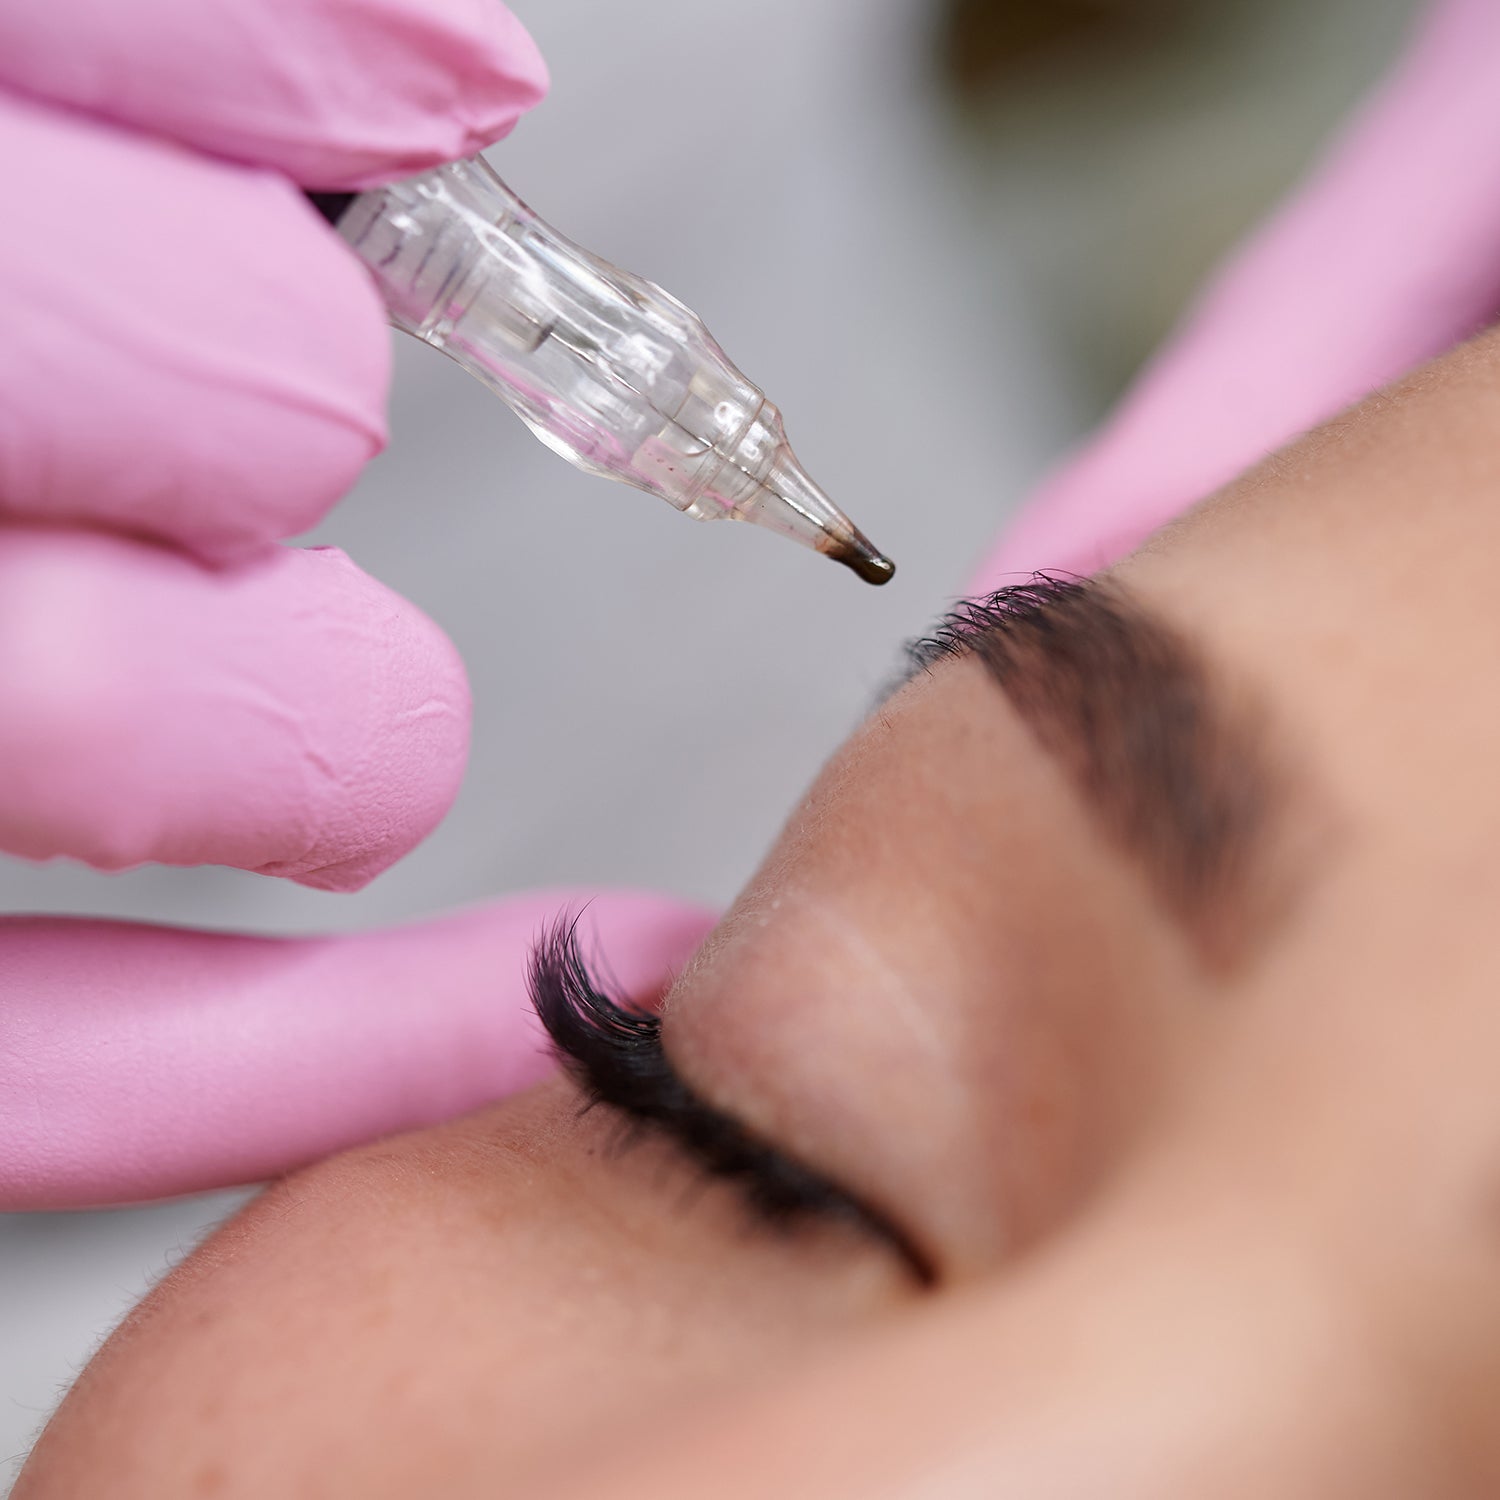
1198 1231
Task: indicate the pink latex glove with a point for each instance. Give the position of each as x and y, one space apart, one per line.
1389 254
192 367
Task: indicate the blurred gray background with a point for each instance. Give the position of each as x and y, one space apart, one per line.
940 233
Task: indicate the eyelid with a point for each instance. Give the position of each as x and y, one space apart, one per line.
615 1054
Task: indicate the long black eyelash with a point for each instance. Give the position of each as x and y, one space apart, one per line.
614 1053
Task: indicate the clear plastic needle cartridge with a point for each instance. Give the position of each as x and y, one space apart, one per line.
608 370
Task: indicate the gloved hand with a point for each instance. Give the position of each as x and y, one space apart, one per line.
1388 255
192 366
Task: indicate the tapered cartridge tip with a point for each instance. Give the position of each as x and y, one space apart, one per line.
860 557
783 498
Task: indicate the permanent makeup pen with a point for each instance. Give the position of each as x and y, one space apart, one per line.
608 370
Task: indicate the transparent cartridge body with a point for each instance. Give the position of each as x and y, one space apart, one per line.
606 368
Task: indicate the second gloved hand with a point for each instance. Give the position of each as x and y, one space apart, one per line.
1388 255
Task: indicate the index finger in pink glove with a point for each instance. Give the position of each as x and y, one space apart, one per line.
332 94
188 351
137 1062
290 716
1389 255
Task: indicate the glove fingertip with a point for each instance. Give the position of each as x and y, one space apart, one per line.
496 75
402 736
331 94
513 80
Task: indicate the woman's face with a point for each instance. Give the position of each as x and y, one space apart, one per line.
1134 969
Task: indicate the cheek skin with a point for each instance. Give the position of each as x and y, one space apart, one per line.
1170 1349
940 988
422 1316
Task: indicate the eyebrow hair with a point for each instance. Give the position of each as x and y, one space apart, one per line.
1176 771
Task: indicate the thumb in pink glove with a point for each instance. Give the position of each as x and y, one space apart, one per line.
137 1062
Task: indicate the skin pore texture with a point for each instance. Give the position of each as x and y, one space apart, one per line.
1201 1148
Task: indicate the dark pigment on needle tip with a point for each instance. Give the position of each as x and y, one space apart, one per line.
860 557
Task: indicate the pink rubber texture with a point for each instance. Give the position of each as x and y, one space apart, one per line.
332 94
290 715
137 1062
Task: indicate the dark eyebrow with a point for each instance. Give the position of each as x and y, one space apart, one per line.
1177 772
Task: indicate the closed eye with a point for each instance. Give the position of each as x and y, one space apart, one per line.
614 1053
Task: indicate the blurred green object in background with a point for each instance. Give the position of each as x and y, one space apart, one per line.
1117 149
981 43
